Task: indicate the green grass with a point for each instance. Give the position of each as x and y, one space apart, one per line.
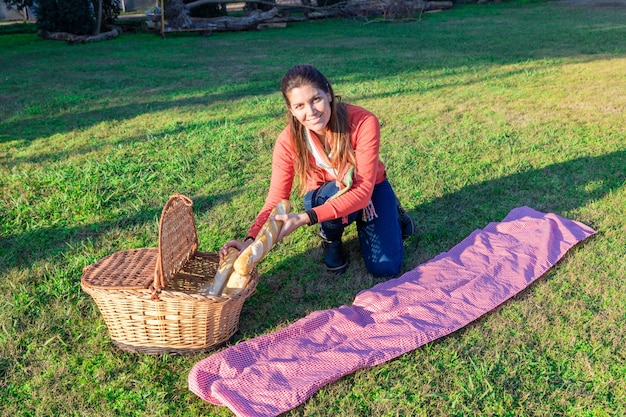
483 109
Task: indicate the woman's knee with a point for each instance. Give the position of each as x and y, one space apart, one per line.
317 197
385 269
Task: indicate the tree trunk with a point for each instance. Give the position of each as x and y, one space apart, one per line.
176 14
98 18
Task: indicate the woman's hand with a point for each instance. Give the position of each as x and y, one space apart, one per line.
291 222
237 244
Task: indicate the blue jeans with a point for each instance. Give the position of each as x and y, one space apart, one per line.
380 239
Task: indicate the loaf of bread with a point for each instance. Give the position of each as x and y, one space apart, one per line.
224 270
236 282
265 239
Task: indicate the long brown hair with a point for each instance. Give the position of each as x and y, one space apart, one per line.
338 126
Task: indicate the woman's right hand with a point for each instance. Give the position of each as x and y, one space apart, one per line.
240 245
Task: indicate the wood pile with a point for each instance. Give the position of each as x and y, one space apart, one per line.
280 14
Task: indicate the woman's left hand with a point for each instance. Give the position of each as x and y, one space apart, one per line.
291 222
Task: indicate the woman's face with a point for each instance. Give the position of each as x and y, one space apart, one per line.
311 107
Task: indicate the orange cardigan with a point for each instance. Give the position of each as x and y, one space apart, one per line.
369 171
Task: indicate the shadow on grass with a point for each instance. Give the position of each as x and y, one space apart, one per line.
283 295
64 121
183 129
26 249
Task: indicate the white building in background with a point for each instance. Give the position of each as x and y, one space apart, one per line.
127 5
6 14
139 5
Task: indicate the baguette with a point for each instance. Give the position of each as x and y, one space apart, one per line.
236 282
224 270
265 240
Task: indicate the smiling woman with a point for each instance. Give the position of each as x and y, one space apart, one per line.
332 148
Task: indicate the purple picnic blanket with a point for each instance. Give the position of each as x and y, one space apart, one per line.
276 372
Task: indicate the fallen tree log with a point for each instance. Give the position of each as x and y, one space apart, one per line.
72 38
437 5
389 9
234 24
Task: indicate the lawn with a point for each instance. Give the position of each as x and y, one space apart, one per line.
483 108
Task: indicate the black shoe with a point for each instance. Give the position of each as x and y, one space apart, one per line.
406 223
333 256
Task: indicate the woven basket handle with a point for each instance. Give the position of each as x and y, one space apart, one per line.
178 239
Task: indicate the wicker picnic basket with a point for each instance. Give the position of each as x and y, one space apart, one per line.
151 298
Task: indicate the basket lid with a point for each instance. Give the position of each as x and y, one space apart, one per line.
178 239
123 270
